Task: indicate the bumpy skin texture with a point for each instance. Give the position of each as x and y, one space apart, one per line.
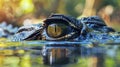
31 32
96 23
78 28
7 30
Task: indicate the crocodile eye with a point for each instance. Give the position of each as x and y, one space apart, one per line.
56 30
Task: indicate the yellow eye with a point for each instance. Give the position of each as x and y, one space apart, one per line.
56 30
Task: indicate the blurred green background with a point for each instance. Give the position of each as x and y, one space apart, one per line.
18 11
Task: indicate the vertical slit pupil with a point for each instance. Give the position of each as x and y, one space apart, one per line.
55 28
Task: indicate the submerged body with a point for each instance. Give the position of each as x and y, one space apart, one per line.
65 28
61 27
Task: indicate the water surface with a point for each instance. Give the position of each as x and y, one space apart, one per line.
79 54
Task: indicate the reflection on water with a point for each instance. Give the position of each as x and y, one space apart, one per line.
74 55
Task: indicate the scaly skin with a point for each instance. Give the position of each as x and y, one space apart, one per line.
75 28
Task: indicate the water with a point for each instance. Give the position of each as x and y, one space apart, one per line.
65 54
